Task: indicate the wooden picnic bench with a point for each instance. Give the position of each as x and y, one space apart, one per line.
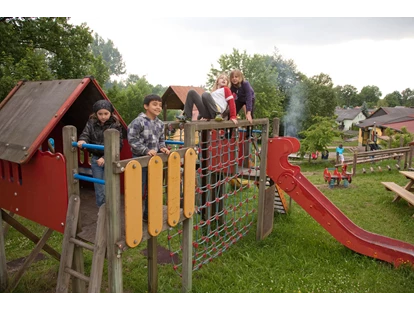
405 192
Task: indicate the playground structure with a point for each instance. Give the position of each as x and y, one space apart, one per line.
213 217
337 176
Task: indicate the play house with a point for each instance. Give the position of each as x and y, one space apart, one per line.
32 172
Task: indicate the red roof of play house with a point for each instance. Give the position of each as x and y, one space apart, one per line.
32 109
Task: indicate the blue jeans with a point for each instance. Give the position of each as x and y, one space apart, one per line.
98 172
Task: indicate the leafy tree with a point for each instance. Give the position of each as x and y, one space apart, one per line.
393 99
319 135
314 97
407 97
129 100
396 137
364 110
347 95
110 55
370 94
42 48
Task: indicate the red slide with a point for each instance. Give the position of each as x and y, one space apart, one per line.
314 202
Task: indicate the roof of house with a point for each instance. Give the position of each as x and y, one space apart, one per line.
409 125
347 114
174 97
32 110
390 115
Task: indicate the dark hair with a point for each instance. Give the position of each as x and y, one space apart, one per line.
150 98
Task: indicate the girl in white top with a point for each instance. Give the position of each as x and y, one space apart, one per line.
211 105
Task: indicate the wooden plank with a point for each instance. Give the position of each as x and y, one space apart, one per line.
189 182
155 196
29 260
408 174
27 233
98 259
133 203
173 188
403 193
67 247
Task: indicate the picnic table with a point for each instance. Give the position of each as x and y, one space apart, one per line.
405 192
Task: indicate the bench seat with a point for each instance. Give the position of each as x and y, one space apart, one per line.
400 191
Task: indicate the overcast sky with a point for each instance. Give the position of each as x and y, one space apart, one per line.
181 51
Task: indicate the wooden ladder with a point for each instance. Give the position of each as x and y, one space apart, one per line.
72 256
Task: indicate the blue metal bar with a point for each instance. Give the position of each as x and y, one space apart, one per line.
89 146
174 142
254 131
91 179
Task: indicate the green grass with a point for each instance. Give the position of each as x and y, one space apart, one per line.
298 256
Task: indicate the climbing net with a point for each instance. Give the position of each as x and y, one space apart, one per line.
226 193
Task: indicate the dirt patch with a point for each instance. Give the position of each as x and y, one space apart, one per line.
163 256
14 265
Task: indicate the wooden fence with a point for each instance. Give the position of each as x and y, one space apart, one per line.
378 155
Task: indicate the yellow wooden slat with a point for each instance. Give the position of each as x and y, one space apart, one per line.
133 203
173 186
282 198
155 196
189 182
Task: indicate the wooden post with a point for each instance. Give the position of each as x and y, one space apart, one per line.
406 159
3 263
275 125
187 242
260 234
354 165
410 156
113 210
71 153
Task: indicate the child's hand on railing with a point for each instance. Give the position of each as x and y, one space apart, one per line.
80 143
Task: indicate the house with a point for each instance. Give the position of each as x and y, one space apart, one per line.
385 117
33 178
174 98
348 117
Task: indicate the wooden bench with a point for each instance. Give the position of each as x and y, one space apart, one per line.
400 191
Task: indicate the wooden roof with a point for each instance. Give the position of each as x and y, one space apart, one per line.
174 97
34 108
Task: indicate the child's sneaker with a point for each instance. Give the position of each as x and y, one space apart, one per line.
183 118
218 117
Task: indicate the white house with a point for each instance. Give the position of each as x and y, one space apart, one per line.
347 117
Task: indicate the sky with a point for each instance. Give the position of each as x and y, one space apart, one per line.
359 51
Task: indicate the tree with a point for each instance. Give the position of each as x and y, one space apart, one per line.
407 97
397 136
370 94
319 135
313 97
347 95
129 100
110 55
364 110
393 99
43 48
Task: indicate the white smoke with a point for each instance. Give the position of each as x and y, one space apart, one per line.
294 115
